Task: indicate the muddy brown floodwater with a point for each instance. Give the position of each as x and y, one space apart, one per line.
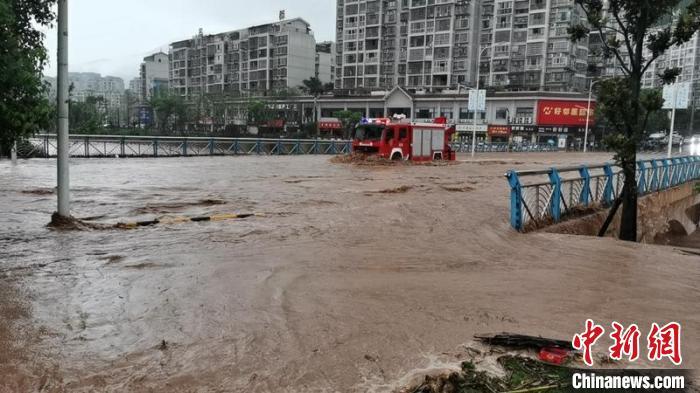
352 279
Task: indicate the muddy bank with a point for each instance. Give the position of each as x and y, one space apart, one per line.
339 288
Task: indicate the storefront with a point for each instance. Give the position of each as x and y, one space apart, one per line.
563 123
499 133
465 133
330 127
524 134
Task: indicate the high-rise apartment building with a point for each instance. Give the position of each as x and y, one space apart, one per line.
687 58
90 84
412 43
154 74
273 56
325 61
528 47
434 44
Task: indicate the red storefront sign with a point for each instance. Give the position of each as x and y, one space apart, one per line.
499 131
564 113
330 125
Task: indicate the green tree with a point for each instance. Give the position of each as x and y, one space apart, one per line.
24 106
170 111
85 117
349 119
315 87
258 112
627 28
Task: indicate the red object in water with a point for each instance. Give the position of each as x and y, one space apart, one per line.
554 355
405 140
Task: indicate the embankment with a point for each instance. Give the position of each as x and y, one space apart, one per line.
674 212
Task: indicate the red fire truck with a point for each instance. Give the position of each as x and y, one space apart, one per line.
400 140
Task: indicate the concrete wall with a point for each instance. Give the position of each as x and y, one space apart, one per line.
674 210
301 58
324 67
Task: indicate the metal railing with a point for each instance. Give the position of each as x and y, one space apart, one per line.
546 196
466 147
100 146
96 146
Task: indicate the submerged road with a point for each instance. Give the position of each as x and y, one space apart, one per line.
353 279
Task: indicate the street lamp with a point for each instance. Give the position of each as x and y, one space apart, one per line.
63 154
478 75
588 114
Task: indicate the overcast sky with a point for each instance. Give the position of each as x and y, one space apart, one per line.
112 37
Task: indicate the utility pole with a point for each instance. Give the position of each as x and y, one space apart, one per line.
588 116
476 94
63 178
673 118
13 153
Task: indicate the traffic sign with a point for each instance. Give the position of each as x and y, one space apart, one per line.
682 99
477 100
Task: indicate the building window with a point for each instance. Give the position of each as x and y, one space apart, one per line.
502 114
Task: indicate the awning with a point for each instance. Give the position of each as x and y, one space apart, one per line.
330 125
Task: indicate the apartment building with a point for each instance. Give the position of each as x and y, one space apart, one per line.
434 44
418 44
273 56
91 84
154 74
325 61
686 57
526 45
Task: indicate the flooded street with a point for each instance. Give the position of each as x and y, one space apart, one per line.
349 279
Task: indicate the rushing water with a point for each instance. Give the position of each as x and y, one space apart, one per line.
349 279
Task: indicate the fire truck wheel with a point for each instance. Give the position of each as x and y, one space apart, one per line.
396 157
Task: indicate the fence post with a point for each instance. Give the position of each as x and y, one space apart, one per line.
665 178
654 176
516 200
87 147
211 146
585 197
696 166
184 147
155 147
642 183
122 147
555 206
684 171
608 194
676 165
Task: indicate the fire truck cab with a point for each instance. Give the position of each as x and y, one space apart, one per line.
400 140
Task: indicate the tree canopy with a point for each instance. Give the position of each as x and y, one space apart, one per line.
258 112
634 33
349 119
170 111
24 106
316 87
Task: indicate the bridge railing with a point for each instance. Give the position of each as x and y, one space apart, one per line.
546 196
45 145
501 147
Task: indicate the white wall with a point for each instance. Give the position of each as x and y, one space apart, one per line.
301 58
